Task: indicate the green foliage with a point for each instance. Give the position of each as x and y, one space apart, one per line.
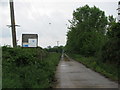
115 30
111 22
86 34
22 56
57 49
111 50
91 33
28 67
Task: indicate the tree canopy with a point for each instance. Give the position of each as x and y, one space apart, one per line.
111 50
87 30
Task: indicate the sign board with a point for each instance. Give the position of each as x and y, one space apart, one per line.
32 42
29 40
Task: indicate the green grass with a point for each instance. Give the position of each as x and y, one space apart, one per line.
28 68
106 69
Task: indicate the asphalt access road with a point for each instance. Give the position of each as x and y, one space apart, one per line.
72 74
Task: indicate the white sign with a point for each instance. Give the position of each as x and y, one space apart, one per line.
32 42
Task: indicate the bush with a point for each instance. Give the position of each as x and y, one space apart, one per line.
111 51
28 67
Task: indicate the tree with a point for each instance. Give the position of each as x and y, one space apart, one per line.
111 22
87 30
111 50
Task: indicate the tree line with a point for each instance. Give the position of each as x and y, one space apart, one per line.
92 33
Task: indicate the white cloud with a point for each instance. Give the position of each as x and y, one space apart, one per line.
6 41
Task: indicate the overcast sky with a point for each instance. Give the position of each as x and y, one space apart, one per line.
35 16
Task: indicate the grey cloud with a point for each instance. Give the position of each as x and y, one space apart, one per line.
36 18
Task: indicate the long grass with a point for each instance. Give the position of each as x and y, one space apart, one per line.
28 68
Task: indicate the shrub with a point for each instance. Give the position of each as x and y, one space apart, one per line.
28 67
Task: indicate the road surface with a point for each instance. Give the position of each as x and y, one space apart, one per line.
72 74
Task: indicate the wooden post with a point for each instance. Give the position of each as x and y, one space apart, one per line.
13 23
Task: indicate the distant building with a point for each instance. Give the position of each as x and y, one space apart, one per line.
118 11
29 40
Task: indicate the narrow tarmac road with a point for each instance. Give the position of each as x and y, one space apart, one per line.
72 74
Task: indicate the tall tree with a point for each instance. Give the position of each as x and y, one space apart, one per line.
87 30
